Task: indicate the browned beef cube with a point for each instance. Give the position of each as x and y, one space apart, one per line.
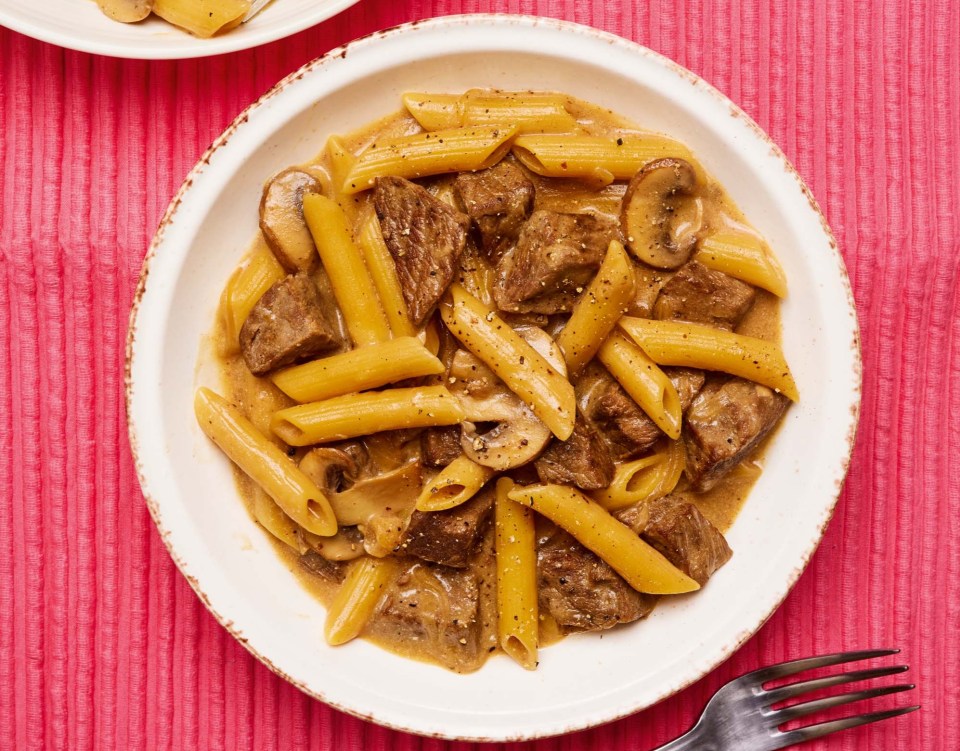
701 295
581 591
287 324
317 565
426 238
498 200
687 382
555 258
582 460
440 446
437 606
724 424
626 428
449 537
685 537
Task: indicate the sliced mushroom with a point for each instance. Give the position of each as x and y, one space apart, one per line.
127 11
545 346
281 219
517 437
391 493
661 215
331 469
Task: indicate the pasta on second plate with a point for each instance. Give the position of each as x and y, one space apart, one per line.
498 368
202 18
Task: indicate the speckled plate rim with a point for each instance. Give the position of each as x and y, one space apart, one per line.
145 307
154 39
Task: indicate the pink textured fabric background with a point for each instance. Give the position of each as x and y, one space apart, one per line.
102 643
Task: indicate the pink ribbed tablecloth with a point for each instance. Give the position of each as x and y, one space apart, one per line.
104 645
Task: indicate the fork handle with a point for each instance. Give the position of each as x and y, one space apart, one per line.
691 741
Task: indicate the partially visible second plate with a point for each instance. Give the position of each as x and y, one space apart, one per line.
80 25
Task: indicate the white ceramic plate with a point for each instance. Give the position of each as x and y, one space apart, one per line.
79 25
585 680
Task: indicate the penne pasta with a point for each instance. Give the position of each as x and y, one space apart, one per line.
643 380
516 363
645 479
349 276
270 516
597 310
358 370
265 463
354 415
515 541
529 112
341 161
644 569
598 159
202 18
456 150
744 257
456 483
358 597
384 272
694 346
247 285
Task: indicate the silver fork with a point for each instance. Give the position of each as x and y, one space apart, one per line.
739 716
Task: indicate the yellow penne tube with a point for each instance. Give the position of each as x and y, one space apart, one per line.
694 346
384 273
643 380
599 159
358 370
524 371
358 597
423 154
341 160
744 257
456 483
352 286
597 310
646 479
529 112
202 18
362 414
247 285
516 548
271 517
264 462
644 569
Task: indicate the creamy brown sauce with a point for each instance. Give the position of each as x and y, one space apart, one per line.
259 398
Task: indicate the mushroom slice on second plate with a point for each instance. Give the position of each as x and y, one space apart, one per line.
127 11
662 215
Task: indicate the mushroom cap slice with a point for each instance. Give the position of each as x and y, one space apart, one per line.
126 11
518 436
661 214
281 219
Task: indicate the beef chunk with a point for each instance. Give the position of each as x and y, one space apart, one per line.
449 537
317 565
581 591
724 424
425 236
287 324
685 537
687 382
701 295
498 200
582 460
434 605
626 428
556 255
440 446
